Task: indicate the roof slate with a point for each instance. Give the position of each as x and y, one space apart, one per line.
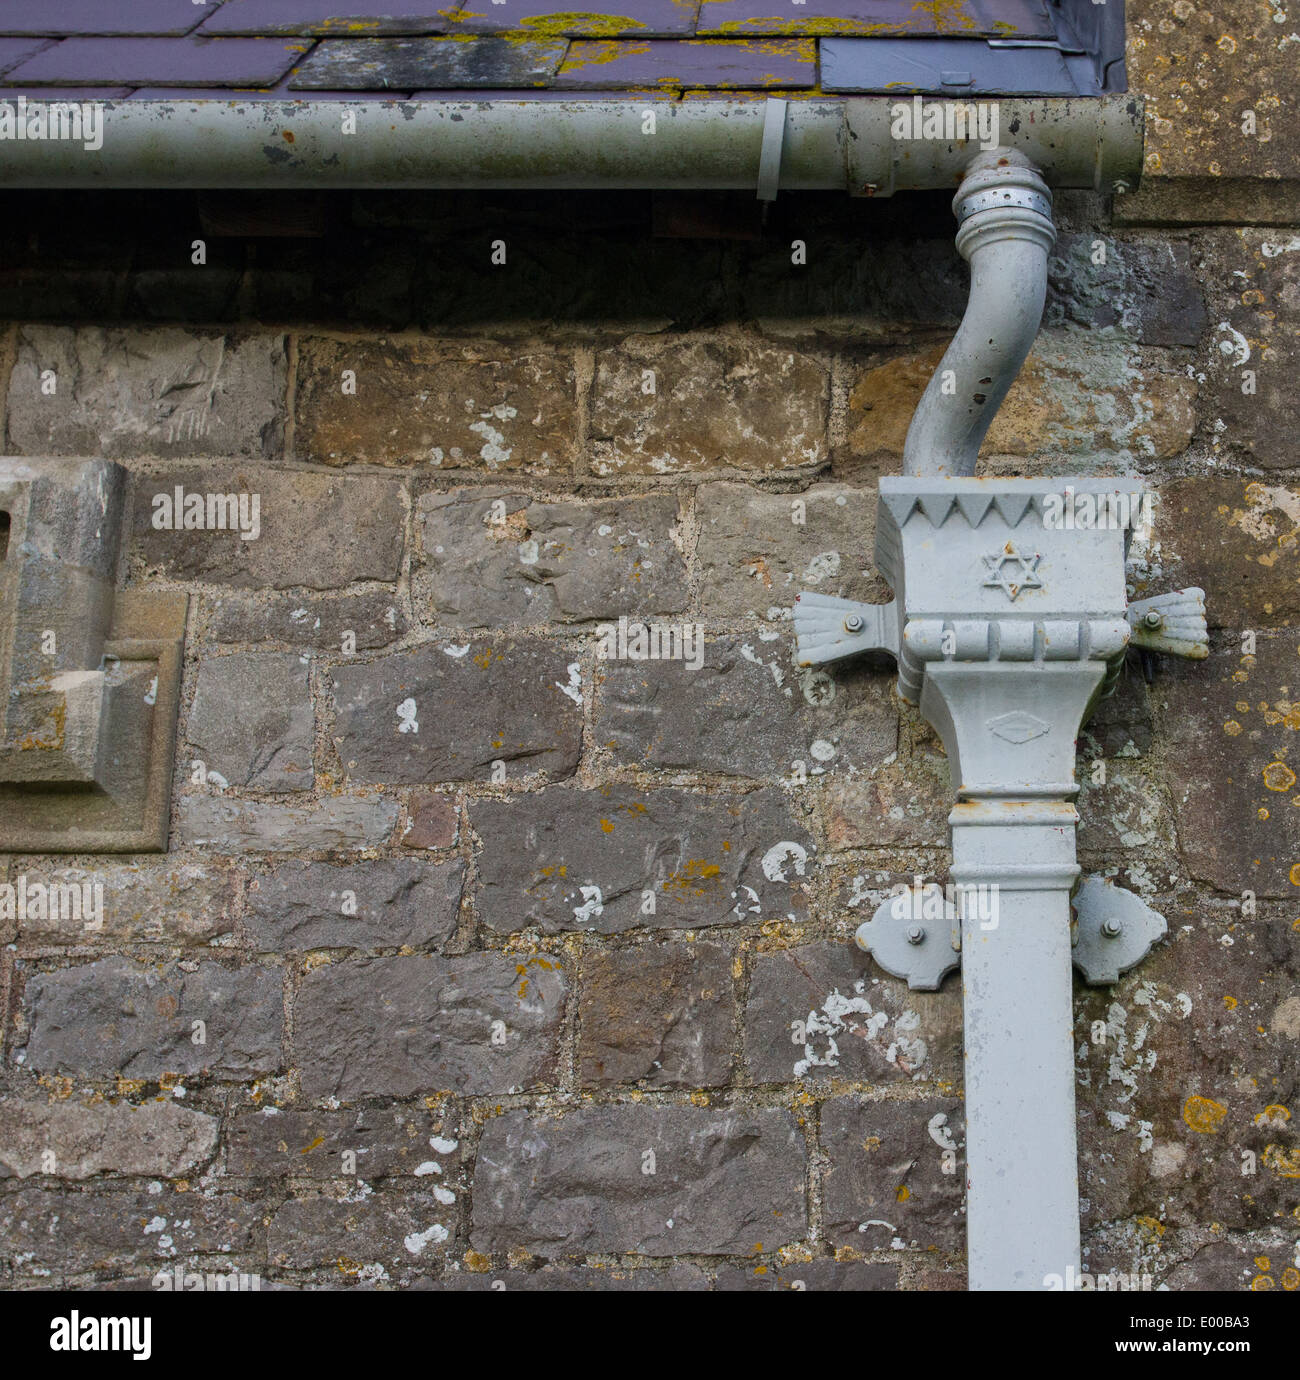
346 49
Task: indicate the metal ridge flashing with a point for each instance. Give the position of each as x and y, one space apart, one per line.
846 144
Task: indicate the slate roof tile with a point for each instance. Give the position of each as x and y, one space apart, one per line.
368 64
612 64
331 18
159 62
61 18
15 50
551 18
878 18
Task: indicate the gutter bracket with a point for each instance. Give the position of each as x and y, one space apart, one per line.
769 158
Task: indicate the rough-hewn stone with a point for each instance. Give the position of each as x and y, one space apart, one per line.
365 1143
1200 70
117 1016
758 550
904 804
76 1140
433 822
1228 722
719 404
374 618
1144 289
895 1173
159 391
319 531
492 558
337 823
1236 539
51 1234
1253 349
747 711
417 402
482 1023
592 1279
448 712
1187 1074
163 902
824 1011
657 1014
654 1181
1070 398
618 858
251 723
367 1237
822 1276
372 905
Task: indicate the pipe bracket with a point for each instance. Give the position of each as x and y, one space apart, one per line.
1113 930
909 943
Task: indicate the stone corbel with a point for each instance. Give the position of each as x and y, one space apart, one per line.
89 676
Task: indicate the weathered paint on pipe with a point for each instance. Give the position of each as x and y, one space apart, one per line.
1006 233
842 145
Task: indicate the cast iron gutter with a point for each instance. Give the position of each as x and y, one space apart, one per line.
846 144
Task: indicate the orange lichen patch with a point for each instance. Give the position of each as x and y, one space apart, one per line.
607 826
1284 1161
903 1194
1232 728
1294 875
578 23
1204 1115
307 1149
1152 1229
562 870
818 26
477 1264
1278 776
1230 1003
1291 1278
949 16
694 870
598 52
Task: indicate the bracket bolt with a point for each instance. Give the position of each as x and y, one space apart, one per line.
853 623
915 933
1152 618
1111 928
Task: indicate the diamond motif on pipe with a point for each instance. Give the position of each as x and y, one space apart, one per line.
1011 571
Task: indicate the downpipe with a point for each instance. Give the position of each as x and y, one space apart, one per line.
1010 623
1004 213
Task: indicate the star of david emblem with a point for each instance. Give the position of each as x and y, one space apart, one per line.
1011 571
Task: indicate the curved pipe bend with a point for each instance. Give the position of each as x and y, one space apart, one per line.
1006 232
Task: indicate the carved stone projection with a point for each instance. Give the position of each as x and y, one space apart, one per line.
89 675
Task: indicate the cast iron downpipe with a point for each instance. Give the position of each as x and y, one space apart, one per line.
1005 230
1008 626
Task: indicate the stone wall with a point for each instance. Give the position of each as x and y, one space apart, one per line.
511 963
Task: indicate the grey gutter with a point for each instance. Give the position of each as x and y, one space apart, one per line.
844 145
